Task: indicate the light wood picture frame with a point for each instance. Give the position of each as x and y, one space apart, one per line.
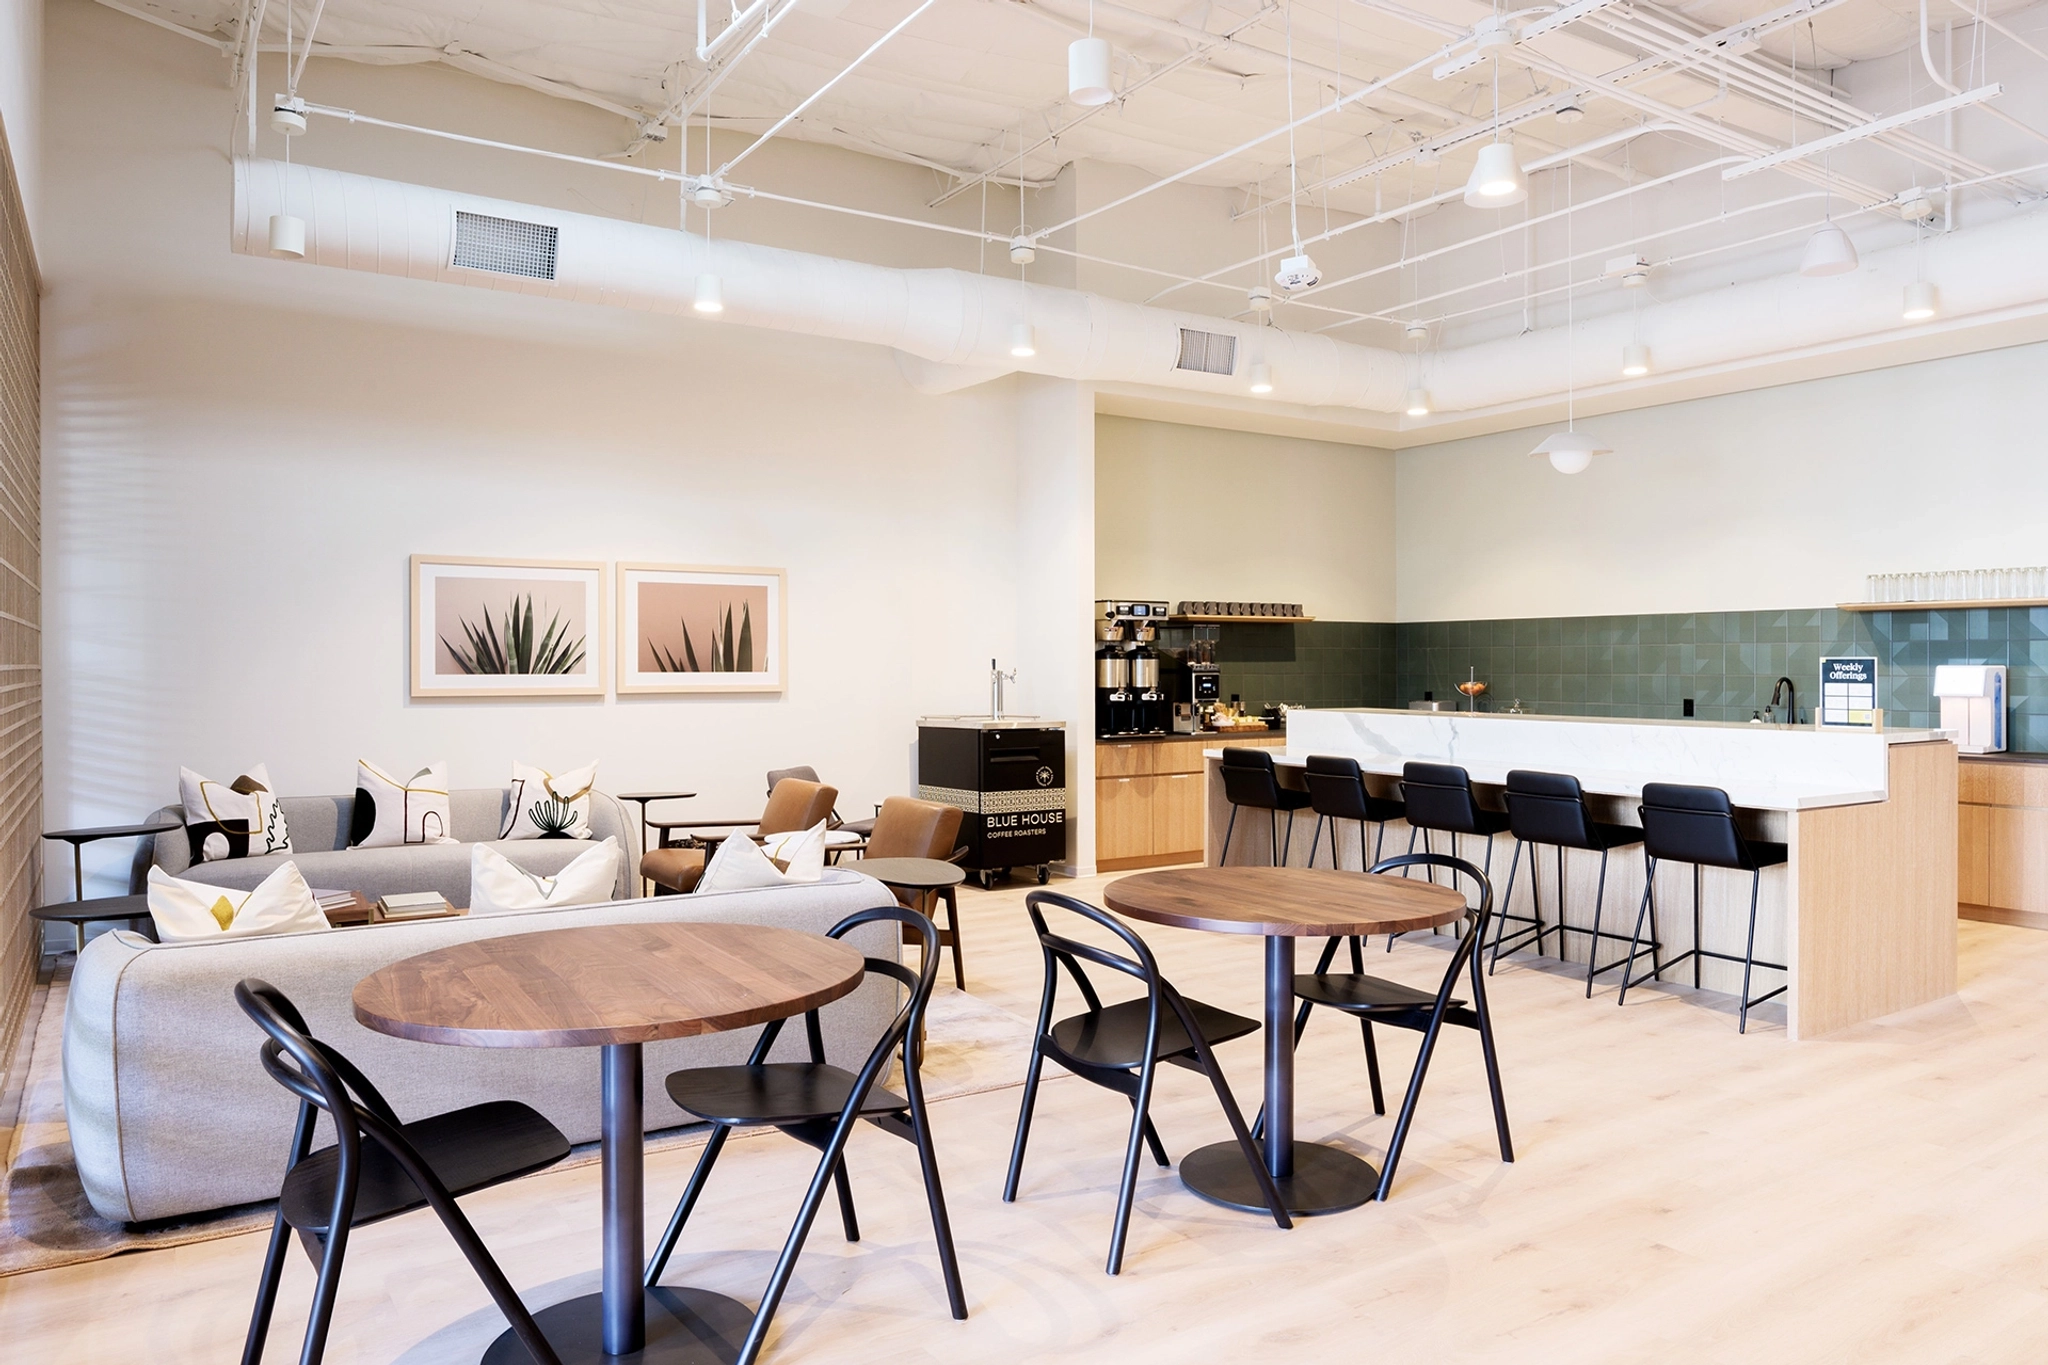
507 629
696 628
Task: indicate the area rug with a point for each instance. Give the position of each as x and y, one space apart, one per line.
45 1221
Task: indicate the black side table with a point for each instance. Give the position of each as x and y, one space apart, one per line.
78 914
79 838
926 876
645 799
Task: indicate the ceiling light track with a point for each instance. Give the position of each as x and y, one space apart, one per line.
1807 150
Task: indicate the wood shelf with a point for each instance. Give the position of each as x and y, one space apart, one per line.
1944 606
1237 620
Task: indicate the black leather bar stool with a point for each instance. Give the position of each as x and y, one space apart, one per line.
1550 810
1336 791
1697 825
1439 799
1249 780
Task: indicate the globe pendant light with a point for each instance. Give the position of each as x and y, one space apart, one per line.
1828 252
1570 451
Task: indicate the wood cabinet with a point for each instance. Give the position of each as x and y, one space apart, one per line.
2002 841
1149 798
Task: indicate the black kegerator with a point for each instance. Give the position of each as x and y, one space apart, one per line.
1010 777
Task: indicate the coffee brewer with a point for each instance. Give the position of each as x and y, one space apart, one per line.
1128 697
1193 682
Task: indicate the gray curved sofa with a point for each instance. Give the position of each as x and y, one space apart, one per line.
171 1113
320 847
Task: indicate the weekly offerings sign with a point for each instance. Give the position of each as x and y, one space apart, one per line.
1848 693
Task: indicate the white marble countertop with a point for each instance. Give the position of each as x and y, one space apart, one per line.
1761 767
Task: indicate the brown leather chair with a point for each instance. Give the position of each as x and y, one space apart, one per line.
909 828
793 805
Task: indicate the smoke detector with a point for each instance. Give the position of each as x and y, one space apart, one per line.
287 115
1418 332
1259 299
1023 251
1568 110
1914 205
1633 271
709 192
1298 272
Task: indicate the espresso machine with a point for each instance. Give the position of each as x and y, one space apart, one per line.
1193 682
1129 699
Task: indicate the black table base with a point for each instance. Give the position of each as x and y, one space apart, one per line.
1324 1179
684 1327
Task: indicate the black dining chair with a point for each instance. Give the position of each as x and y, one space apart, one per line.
1440 800
1696 825
1120 1046
1550 809
1375 1000
1250 780
1337 791
402 1167
818 1104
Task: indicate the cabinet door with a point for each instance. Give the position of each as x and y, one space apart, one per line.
1177 814
1123 818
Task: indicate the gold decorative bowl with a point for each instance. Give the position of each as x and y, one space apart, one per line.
1471 689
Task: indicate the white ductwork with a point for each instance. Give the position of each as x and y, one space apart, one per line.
952 328
942 318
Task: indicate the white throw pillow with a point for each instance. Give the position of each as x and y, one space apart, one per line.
549 805
389 812
237 819
188 911
801 851
498 883
740 864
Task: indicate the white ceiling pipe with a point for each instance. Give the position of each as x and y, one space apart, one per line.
942 317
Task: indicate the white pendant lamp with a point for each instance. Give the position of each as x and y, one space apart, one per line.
287 236
1828 252
1635 360
1262 377
1418 403
1088 71
1571 452
1497 178
710 298
1921 302
1023 341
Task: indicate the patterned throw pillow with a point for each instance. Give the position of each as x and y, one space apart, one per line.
389 812
237 819
185 911
549 805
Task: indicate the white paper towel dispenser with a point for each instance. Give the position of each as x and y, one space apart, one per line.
1973 705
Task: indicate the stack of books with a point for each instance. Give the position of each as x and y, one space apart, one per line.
414 905
343 908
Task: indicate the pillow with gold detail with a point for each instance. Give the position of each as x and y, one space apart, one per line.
185 911
390 812
497 883
237 819
549 805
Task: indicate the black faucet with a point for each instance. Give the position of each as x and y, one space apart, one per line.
1783 688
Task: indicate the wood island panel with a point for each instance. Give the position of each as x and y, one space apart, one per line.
1153 816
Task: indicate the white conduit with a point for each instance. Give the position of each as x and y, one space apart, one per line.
954 326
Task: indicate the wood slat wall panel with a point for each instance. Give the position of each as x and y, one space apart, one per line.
21 609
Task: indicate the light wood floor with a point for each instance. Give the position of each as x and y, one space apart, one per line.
1682 1193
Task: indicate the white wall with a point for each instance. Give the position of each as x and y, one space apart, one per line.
21 72
1194 512
1778 498
241 453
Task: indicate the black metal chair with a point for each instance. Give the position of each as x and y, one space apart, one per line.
818 1104
1697 825
1439 800
1550 809
403 1167
1250 780
1337 791
1375 1000
1120 1046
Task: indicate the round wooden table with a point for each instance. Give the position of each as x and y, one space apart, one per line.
614 986
1283 904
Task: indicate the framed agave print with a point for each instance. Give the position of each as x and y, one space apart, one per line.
688 628
507 628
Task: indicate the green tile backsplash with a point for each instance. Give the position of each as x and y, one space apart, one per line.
1643 665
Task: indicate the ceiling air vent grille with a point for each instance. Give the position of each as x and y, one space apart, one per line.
1207 352
505 245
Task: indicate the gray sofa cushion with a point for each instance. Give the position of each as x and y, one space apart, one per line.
320 847
170 1111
